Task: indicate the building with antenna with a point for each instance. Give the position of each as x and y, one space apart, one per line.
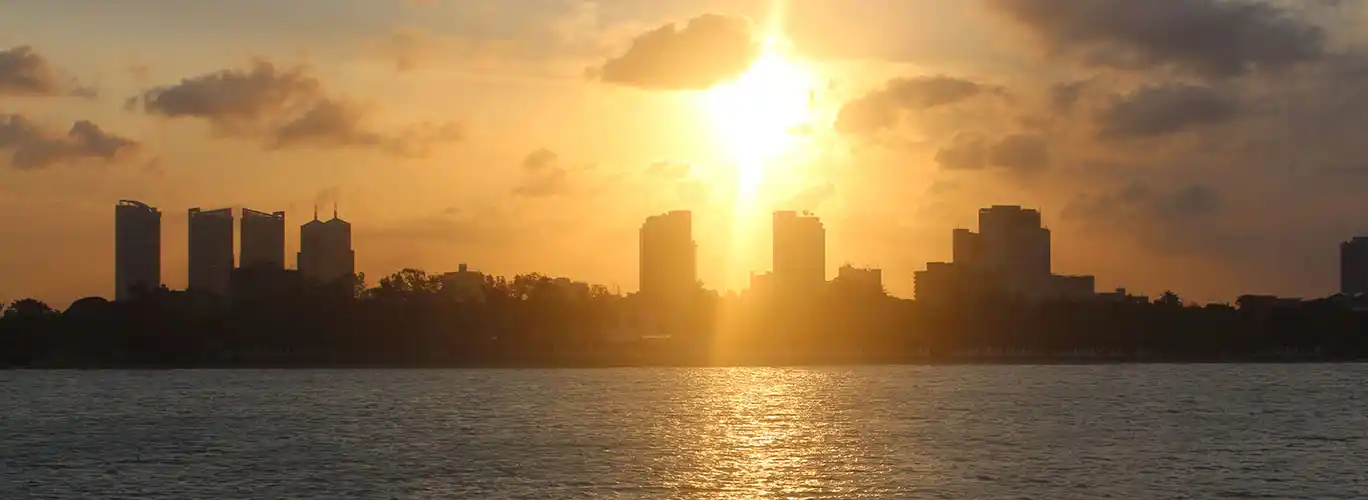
137 248
325 252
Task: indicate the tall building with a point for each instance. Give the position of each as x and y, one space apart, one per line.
1013 242
1354 266
137 248
263 240
799 251
325 252
668 264
211 250
1009 256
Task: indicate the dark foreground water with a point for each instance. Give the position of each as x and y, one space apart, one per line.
1046 432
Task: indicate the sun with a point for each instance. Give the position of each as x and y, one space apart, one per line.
765 114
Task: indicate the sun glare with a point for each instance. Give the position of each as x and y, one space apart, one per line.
761 116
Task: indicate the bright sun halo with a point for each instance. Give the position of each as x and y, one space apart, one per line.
758 115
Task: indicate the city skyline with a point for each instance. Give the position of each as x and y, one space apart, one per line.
1010 256
485 132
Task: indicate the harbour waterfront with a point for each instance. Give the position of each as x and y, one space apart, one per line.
1019 431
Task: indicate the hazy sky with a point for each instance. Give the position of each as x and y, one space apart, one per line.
1211 147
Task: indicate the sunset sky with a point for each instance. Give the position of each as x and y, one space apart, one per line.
1211 147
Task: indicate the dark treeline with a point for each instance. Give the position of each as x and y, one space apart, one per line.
411 319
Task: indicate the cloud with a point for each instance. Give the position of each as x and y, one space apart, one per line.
1139 203
1218 38
705 51
32 146
543 175
287 107
883 108
1016 152
1165 109
26 73
331 123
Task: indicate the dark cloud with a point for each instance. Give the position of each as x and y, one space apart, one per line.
1207 37
286 107
1137 203
1015 152
32 146
1165 109
1064 96
237 102
543 175
705 51
333 123
24 72
883 108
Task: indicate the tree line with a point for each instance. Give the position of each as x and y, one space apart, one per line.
412 318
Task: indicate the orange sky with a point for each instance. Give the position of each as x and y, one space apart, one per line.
1209 147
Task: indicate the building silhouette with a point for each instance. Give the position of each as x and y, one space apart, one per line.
464 285
211 251
1008 257
137 248
799 252
668 265
1354 266
325 253
263 240
863 281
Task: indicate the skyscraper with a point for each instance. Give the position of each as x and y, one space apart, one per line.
1014 243
668 260
137 247
1354 266
799 251
325 253
263 239
211 250
1009 256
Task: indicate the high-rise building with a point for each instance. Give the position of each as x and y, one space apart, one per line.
1014 243
1009 256
263 239
668 264
137 248
1354 266
211 250
325 253
799 251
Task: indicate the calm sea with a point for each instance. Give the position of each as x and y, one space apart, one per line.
982 432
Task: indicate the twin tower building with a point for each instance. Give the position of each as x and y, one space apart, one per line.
325 253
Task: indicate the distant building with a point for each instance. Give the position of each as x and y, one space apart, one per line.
265 283
325 253
799 252
211 251
668 264
1266 302
463 285
1120 296
137 248
570 289
862 280
263 239
1354 266
1009 257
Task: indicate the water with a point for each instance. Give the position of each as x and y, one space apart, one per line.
1050 432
